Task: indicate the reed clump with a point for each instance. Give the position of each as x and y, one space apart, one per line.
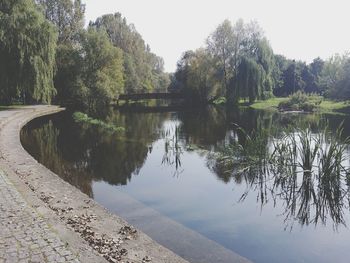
81 117
308 171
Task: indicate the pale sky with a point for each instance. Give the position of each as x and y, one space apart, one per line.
299 29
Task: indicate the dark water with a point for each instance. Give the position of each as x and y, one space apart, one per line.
164 161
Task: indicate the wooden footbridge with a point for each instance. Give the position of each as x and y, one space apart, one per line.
150 96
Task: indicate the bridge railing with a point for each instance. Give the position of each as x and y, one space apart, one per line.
149 96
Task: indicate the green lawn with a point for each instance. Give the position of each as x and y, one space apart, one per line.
328 105
325 106
267 104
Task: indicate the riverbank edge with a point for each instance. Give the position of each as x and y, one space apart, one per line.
326 106
77 219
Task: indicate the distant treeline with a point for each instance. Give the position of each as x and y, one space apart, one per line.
238 63
46 54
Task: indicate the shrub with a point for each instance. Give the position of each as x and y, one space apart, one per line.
300 101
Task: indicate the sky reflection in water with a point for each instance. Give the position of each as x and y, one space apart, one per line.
163 161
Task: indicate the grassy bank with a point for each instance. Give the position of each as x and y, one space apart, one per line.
267 104
325 106
329 105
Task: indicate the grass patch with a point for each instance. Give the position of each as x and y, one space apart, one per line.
329 105
325 105
80 117
267 104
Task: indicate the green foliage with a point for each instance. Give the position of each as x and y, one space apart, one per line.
291 76
331 105
196 75
242 65
249 79
239 157
237 62
103 68
92 66
27 51
300 101
221 44
325 106
68 79
92 74
80 117
67 16
143 69
323 153
296 161
335 77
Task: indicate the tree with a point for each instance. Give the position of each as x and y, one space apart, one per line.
291 78
103 68
309 80
335 77
200 81
238 54
67 16
265 58
281 64
179 81
221 44
316 67
68 79
143 69
195 77
27 51
250 79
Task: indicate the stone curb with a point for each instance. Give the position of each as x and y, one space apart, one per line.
89 229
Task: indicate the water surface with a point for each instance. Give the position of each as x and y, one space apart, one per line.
164 162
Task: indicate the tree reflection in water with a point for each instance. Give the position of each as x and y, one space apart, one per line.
313 188
43 143
305 170
81 154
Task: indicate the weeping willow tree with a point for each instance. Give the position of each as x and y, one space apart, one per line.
250 79
265 57
27 53
254 78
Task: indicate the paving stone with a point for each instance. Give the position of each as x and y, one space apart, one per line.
24 234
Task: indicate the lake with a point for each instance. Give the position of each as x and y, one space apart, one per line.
164 164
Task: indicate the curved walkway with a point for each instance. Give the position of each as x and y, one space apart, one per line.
44 219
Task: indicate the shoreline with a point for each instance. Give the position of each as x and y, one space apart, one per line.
90 230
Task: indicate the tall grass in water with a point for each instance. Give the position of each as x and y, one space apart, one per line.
304 170
323 153
318 160
240 156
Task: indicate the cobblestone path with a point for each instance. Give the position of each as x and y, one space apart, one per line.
24 235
